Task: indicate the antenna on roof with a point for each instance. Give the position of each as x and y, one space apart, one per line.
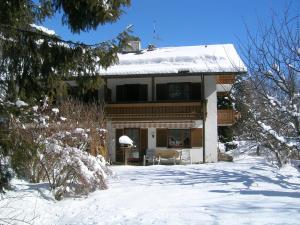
155 37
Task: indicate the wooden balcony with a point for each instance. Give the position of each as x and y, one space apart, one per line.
152 111
225 79
227 117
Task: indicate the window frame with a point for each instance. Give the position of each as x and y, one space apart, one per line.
163 92
182 138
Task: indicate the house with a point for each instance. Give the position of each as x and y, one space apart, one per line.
167 98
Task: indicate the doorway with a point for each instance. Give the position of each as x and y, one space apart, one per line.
140 142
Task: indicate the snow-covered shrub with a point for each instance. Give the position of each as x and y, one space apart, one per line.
71 171
54 144
230 145
87 120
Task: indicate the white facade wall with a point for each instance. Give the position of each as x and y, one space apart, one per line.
224 87
211 123
151 137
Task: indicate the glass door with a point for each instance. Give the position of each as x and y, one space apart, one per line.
134 134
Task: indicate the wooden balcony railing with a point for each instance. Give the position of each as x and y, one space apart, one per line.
225 79
154 111
227 116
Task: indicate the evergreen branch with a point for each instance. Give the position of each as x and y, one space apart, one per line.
55 38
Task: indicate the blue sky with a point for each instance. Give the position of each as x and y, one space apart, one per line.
188 22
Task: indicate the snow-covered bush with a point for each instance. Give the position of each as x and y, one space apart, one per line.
54 144
71 171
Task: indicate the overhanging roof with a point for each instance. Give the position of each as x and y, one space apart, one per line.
187 60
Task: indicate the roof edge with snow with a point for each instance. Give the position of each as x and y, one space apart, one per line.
178 61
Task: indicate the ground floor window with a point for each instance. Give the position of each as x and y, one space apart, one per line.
178 138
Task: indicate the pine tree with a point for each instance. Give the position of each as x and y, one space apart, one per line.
35 62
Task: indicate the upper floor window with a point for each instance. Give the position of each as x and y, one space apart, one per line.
224 101
178 91
132 93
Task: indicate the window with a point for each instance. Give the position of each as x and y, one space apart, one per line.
178 138
178 91
173 138
132 93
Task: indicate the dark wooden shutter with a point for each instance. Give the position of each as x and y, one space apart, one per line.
119 152
131 92
143 92
195 91
196 136
144 143
161 92
161 137
120 93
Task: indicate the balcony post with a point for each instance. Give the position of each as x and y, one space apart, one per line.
152 88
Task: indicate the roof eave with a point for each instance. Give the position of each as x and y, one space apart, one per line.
173 74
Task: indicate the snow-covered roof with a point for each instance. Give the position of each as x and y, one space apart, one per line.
172 60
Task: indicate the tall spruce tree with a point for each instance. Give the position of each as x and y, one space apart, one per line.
35 62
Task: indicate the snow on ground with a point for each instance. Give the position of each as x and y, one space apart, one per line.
247 191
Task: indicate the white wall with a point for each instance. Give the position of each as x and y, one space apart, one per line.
196 155
151 137
224 87
211 131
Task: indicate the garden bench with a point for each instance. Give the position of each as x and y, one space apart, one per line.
159 154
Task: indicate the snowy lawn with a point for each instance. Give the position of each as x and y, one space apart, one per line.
248 191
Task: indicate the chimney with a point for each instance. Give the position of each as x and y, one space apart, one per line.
133 46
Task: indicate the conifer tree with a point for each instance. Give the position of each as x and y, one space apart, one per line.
35 62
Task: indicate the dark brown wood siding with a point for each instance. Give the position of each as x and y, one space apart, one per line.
196 136
161 137
143 143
